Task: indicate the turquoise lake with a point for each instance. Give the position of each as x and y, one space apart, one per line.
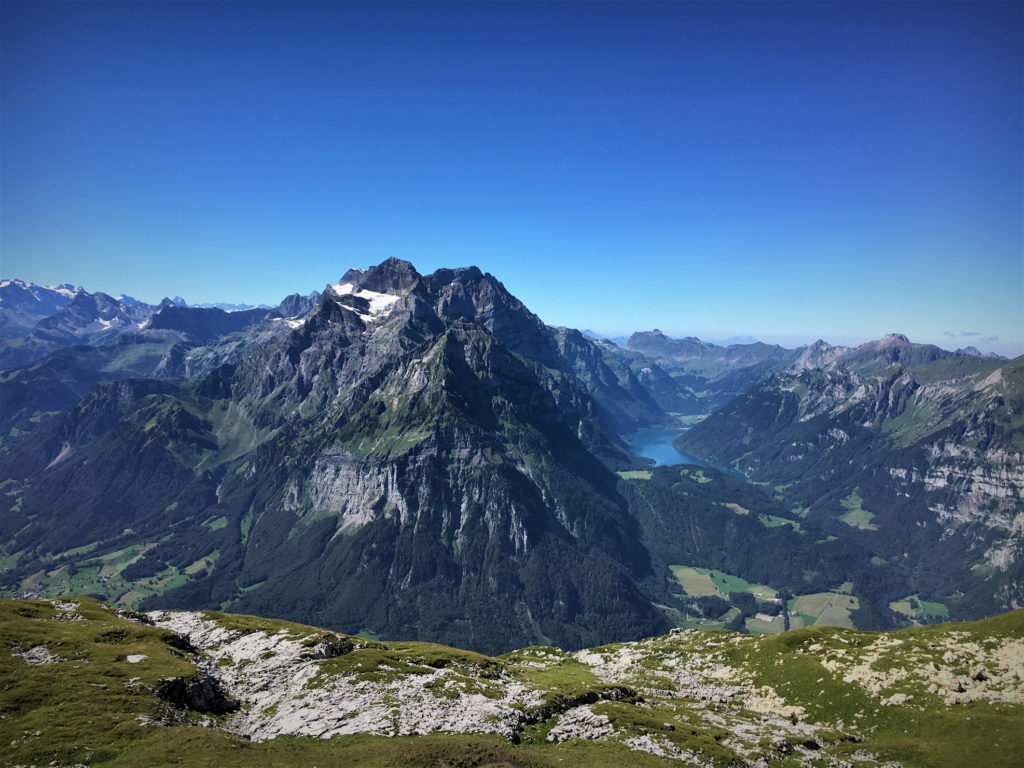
657 444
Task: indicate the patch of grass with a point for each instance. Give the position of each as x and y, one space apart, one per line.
760 626
240 622
9 561
903 606
699 582
662 722
774 521
246 523
694 582
933 610
566 677
202 564
635 474
379 662
914 608
83 550
825 608
727 583
856 516
925 733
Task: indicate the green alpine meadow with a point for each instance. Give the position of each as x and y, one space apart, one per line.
88 684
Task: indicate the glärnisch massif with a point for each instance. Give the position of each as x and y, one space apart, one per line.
421 457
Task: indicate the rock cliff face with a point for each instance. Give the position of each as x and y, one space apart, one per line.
204 324
416 455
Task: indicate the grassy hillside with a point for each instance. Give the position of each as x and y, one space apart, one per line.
85 684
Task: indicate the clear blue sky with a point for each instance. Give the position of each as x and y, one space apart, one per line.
782 169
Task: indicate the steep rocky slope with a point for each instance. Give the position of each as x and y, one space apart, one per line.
418 456
925 461
88 685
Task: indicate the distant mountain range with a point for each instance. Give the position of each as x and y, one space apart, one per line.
36 320
419 456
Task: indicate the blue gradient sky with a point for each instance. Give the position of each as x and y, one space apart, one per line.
787 170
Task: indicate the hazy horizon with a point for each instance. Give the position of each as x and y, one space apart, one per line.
949 341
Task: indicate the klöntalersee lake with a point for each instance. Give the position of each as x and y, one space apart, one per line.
657 444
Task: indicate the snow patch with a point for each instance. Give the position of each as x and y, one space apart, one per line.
380 303
64 451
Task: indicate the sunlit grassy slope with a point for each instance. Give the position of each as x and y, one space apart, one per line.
79 686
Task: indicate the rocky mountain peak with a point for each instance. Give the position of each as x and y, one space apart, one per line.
893 340
656 342
817 355
296 305
392 276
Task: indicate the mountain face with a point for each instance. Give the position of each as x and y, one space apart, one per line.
65 376
874 356
22 305
89 318
711 375
135 339
670 395
418 456
923 460
204 324
37 320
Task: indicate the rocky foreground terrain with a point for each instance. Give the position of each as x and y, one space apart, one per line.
84 684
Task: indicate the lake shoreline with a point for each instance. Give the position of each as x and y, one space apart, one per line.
657 445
